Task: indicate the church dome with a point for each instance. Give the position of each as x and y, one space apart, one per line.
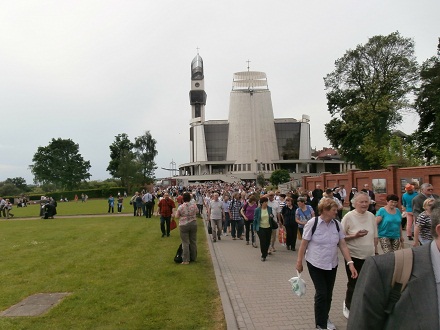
197 68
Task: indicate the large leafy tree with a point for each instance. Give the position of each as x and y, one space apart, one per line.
133 163
428 108
145 149
120 149
366 94
61 164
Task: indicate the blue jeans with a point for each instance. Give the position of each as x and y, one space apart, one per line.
236 228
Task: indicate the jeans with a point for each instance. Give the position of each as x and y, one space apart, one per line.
264 234
236 228
164 220
226 222
249 225
111 208
324 281
119 207
351 284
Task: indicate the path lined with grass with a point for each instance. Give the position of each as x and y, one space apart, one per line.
120 272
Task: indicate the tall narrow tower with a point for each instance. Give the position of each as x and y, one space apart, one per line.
197 99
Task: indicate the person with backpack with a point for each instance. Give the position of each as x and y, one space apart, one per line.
321 239
412 302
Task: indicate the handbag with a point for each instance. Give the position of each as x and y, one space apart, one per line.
173 224
273 223
209 228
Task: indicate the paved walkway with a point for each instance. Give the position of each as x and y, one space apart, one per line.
257 295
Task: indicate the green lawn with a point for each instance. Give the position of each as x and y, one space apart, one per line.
119 270
92 206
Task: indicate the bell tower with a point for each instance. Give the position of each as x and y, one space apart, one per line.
197 100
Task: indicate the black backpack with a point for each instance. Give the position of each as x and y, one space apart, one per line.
316 223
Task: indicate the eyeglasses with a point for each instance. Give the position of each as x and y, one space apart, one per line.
430 189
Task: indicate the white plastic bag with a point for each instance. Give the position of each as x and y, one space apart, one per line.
298 285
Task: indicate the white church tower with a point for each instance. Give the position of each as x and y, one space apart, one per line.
197 98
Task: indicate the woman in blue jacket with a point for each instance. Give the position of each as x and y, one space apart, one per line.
263 218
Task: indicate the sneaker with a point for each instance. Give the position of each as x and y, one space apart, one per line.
254 245
330 325
345 310
247 242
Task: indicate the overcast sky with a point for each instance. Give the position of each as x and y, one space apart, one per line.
89 70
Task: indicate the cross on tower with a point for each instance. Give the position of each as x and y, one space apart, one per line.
248 64
197 50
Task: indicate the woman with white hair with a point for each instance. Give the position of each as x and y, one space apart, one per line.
361 238
422 229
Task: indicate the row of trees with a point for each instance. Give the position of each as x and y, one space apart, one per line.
370 89
60 166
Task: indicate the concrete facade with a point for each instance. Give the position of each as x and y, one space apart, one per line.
251 142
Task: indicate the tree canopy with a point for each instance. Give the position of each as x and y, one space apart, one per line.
366 94
428 108
133 163
61 164
279 176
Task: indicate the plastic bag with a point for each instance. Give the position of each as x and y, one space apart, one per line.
298 285
282 236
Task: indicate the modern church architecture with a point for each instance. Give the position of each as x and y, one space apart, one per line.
251 140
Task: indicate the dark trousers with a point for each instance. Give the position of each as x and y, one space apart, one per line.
149 209
236 228
324 281
119 207
164 220
351 284
249 225
264 234
291 234
111 208
134 208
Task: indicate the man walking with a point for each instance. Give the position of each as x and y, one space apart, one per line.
426 191
148 199
165 208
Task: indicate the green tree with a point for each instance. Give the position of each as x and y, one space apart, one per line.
428 108
19 183
403 152
118 149
260 180
61 164
279 176
367 91
8 189
145 150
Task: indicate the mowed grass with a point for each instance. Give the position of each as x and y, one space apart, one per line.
92 206
119 270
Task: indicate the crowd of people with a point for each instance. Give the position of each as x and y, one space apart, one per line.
243 212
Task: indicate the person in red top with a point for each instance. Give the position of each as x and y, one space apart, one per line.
180 199
166 207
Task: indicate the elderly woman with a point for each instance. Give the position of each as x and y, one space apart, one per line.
361 237
187 215
303 213
322 237
422 229
389 225
263 219
289 222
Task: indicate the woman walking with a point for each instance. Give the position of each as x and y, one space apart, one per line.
247 211
321 239
389 220
263 219
303 213
422 232
361 237
187 215
289 221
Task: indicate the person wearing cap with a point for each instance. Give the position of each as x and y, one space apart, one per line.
407 198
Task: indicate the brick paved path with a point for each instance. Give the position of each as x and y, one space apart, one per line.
257 295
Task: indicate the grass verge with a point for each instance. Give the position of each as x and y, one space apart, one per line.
120 272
